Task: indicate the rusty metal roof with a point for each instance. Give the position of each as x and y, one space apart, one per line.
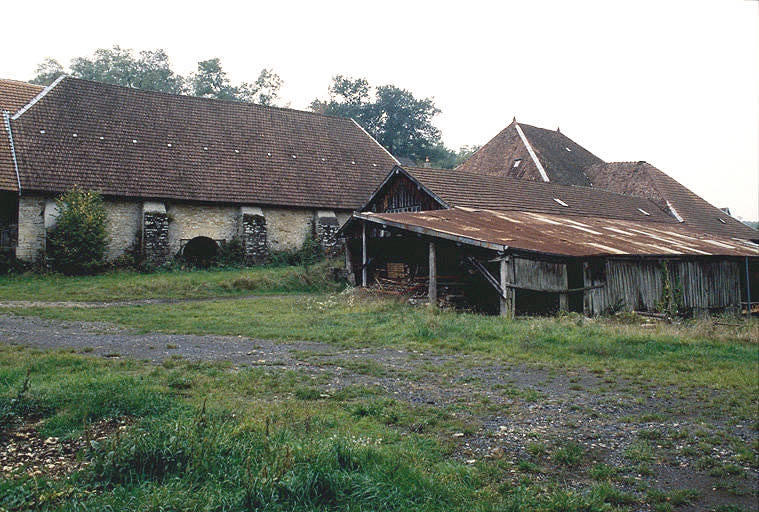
563 235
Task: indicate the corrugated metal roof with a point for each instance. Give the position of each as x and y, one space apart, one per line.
563 235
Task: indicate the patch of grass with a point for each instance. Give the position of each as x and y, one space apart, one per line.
717 361
640 452
568 453
217 445
130 285
602 472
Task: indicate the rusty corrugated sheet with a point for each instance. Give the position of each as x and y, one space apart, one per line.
563 235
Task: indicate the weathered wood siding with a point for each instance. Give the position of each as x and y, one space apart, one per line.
400 194
544 275
638 285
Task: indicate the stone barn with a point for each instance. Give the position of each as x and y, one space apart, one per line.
179 172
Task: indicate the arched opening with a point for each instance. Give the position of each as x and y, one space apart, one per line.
200 251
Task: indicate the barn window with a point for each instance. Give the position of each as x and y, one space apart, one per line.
721 220
568 149
516 163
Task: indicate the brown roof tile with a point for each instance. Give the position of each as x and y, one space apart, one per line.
136 143
463 188
562 158
13 96
645 180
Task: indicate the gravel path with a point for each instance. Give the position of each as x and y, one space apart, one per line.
508 406
7 304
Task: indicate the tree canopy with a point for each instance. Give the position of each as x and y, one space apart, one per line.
151 70
399 121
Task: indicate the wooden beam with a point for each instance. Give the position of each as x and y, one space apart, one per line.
364 276
507 294
433 277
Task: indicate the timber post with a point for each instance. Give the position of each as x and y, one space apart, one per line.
507 299
433 277
364 259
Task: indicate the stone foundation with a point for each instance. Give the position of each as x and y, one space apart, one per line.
160 229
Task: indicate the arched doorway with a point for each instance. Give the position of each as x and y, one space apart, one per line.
200 251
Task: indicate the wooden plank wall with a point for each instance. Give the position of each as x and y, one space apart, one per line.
540 274
706 284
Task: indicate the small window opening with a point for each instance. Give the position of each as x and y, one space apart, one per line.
721 220
516 163
568 149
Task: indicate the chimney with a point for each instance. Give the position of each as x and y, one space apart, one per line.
558 129
426 161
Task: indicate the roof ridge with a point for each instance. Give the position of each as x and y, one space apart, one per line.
38 97
531 151
7 123
202 98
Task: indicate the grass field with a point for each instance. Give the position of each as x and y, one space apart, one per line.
457 423
131 285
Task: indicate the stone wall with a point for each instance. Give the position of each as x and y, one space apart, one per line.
124 225
287 228
187 220
279 229
31 227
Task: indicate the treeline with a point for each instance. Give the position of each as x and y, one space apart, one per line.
400 122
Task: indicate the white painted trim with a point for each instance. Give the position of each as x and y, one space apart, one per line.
7 123
39 96
375 141
532 153
674 212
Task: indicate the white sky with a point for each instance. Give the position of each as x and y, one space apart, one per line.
673 83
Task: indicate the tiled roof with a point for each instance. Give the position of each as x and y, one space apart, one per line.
568 163
135 143
13 96
645 180
463 188
562 159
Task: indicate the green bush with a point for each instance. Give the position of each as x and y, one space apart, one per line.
9 264
308 253
77 244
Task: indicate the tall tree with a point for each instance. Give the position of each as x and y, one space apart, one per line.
210 81
151 70
47 71
118 66
399 121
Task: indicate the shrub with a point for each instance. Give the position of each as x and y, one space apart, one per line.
231 254
9 264
77 244
310 252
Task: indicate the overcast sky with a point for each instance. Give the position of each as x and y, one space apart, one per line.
673 83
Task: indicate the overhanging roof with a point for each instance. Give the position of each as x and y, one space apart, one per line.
562 235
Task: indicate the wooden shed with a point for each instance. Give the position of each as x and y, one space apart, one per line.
567 248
